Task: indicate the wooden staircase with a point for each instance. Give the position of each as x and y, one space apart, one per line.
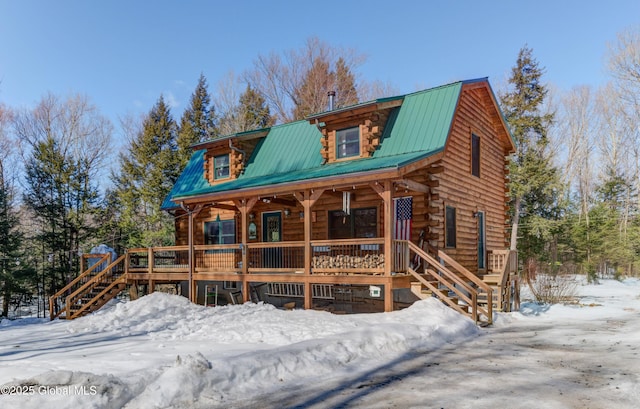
448 281
454 285
503 279
90 290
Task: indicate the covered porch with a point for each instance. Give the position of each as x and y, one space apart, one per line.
336 269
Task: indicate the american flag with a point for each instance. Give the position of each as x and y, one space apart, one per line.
402 207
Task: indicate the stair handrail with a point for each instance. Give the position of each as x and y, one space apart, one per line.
474 279
473 302
457 280
510 267
467 274
104 257
470 301
121 279
89 284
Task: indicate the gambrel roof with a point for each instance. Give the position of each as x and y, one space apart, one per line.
289 153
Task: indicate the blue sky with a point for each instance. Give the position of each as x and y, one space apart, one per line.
124 54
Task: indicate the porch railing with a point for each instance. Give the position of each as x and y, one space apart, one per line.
218 258
57 301
504 264
355 256
283 256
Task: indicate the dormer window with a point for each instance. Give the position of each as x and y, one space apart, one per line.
348 142
221 167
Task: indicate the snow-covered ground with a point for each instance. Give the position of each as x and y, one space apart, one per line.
162 351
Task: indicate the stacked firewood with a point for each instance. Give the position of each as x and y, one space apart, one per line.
346 261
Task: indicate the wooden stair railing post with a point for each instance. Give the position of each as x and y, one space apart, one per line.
66 289
474 306
490 304
150 267
106 276
452 280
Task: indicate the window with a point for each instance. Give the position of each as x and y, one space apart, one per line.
361 223
482 240
348 142
221 167
220 232
475 155
450 227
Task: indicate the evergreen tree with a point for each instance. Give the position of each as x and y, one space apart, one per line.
16 277
614 251
535 183
148 172
198 122
250 112
311 97
66 141
254 110
345 85
62 199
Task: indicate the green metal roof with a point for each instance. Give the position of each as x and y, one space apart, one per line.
422 123
291 152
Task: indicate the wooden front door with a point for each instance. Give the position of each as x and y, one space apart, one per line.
272 233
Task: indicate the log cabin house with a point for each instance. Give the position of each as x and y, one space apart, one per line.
364 208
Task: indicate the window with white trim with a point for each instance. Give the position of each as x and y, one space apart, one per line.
348 142
221 167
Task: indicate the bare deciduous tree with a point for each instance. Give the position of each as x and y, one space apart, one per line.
6 145
578 130
76 125
279 78
624 65
63 144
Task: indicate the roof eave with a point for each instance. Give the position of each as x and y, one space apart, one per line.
247 135
370 106
366 176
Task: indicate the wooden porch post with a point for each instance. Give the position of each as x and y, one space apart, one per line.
388 245
245 206
307 199
190 256
308 294
385 192
150 270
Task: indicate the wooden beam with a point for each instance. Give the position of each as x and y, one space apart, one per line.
338 193
388 227
224 206
412 185
306 204
315 195
299 197
279 200
388 296
422 163
378 188
435 169
359 179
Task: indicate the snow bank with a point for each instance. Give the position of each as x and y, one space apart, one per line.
223 353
